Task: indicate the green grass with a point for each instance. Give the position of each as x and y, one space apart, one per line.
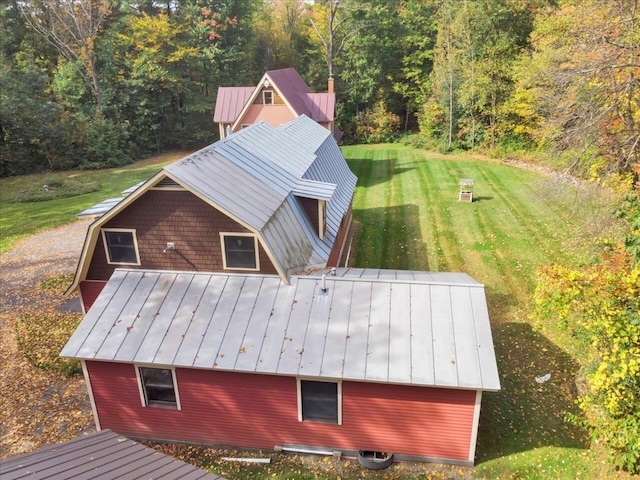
407 206
409 217
21 218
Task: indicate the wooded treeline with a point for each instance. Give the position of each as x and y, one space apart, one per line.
94 83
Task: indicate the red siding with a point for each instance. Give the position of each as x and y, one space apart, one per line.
310 206
162 216
260 411
89 291
341 239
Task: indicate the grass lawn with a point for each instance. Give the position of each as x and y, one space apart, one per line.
408 216
19 219
407 206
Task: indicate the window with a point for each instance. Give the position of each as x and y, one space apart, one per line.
240 251
157 387
320 401
121 246
267 97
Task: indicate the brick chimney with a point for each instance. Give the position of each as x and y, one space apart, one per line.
330 84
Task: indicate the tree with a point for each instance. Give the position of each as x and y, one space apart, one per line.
72 27
335 22
35 133
445 73
282 36
417 20
585 76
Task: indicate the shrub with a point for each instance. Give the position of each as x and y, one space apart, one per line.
601 305
41 335
378 125
52 189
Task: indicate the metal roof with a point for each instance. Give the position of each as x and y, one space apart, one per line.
106 205
100 208
312 189
374 326
254 174
321 106
292 87
104 455
229 103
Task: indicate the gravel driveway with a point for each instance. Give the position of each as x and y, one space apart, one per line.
37 408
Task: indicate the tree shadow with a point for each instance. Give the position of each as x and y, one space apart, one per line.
527 414
389 238
372 172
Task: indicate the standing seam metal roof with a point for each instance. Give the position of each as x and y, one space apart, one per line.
368 326
229 103
101 456
254 175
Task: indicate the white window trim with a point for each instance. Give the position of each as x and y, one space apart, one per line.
264 99
474 428
106 247
143 399
92 399
299 395
322 220
224 251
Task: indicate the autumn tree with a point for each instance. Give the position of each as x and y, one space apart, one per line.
281 35
72 27
444 79
335 22
601 305
585 78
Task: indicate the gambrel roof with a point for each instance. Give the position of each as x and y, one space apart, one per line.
383 326
270 167
255 176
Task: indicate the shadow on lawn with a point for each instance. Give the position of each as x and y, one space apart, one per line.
389 237
526 414
372 172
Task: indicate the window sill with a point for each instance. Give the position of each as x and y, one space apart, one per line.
164 406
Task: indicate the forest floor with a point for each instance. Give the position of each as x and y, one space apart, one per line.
38 408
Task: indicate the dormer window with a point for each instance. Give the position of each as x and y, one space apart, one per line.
267 97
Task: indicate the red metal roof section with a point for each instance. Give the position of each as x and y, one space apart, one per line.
321 106
229 103
292 87
318 106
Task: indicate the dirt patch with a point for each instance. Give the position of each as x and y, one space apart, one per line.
38 408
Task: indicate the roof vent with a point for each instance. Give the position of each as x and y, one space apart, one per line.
168 183
324 288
